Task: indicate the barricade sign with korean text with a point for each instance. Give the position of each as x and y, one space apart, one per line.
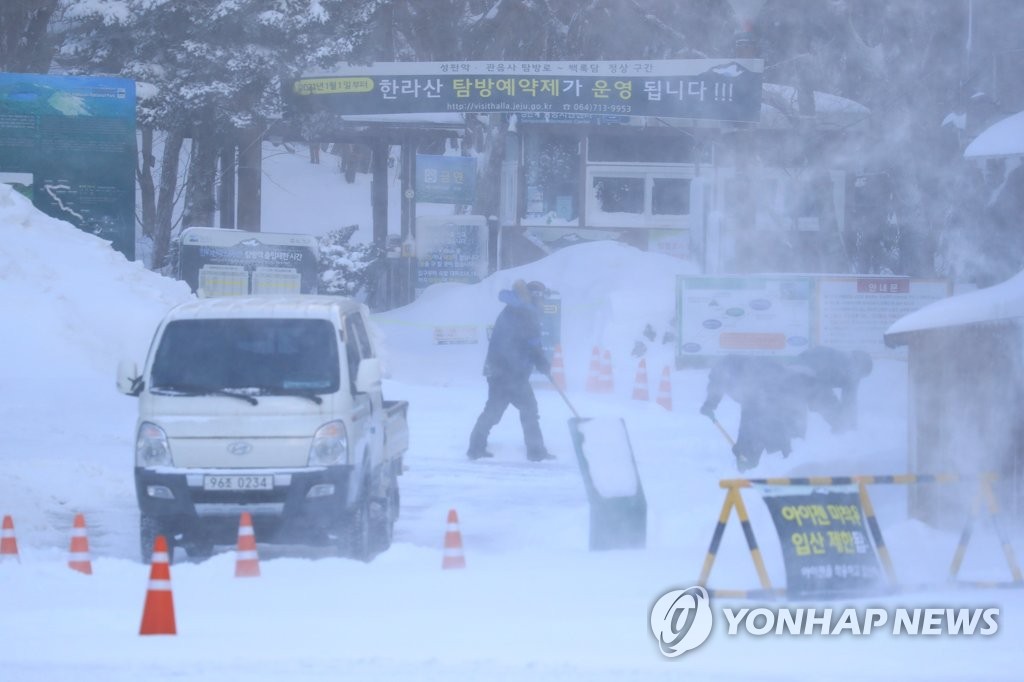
826 544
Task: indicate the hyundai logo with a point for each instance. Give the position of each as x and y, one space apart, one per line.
239 447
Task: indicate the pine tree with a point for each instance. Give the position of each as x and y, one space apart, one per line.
346 269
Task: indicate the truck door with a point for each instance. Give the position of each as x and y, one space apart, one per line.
367 413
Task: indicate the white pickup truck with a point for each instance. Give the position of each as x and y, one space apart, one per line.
271 405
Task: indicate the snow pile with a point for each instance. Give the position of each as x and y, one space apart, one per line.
74 307
73 303
609 293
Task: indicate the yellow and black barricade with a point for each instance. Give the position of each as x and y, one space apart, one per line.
734 500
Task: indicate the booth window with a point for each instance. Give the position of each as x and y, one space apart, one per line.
552 164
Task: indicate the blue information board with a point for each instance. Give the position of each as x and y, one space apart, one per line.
72 140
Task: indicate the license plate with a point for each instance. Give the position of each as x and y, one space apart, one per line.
238 482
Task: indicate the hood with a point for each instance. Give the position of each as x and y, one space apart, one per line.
509 297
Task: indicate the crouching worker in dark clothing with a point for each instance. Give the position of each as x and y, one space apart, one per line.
831 370
514 351
773 404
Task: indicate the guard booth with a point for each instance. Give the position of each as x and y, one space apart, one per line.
618 507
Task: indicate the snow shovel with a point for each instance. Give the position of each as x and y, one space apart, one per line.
564 397
618 507
722 430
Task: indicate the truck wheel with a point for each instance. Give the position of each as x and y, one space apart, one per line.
382 520
149 528
355 536
198 549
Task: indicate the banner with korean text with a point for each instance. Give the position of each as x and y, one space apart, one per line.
700 89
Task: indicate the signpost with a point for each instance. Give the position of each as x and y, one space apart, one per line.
71 142
714 89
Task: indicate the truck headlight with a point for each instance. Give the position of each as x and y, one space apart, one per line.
151 447
330 445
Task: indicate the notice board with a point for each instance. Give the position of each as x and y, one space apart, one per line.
69 144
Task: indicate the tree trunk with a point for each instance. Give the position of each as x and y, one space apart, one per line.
167 199
202 173
226 199
147 190
25 46
250 167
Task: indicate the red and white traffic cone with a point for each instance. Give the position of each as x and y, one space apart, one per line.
453 556
158 613
607 378
640 385
8 543
594 373
78 557
665 389
558 368
247 563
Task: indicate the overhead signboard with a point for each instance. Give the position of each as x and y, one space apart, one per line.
68 142
714 89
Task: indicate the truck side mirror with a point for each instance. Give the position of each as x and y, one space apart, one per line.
368 375
129 381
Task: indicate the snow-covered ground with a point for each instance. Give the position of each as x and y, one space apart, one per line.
533 602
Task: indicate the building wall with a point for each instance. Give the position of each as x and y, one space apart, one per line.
967 397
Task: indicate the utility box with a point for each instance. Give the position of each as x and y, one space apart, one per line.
618 508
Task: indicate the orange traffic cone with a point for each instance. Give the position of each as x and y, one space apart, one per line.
640 389
158 613
665 389
594 374
8 543
247 564
607 380
558 368
78 558
453 557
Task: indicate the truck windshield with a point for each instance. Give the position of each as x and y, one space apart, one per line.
271 356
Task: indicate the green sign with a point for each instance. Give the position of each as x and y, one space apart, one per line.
708 89
445 179
71 140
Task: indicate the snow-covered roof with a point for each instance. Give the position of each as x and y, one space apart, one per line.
1005 138
779 102
1003 301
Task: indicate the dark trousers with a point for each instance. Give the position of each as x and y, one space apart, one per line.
500 394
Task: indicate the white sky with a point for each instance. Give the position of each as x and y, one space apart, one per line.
533 603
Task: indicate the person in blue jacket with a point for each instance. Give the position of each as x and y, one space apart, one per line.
512 355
